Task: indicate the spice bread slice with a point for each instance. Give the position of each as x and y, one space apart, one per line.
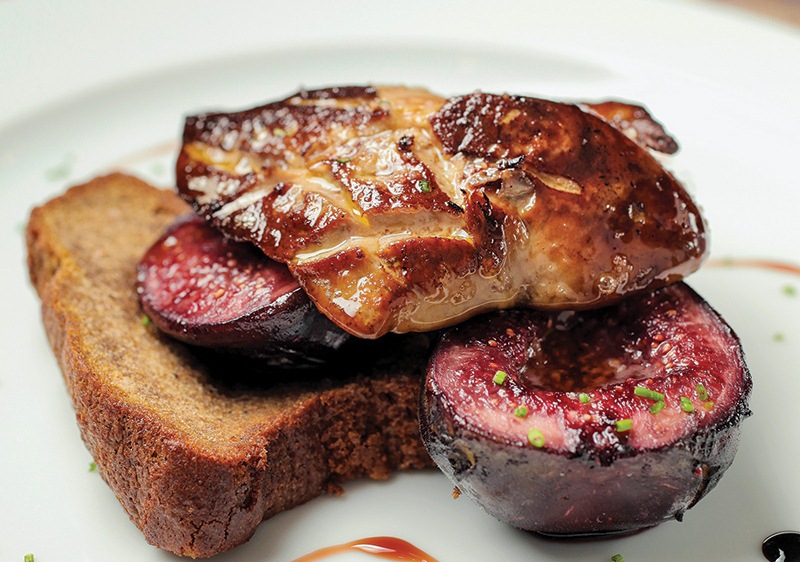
197 454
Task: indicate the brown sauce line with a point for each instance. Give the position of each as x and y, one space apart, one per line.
161 149
769 265
390 548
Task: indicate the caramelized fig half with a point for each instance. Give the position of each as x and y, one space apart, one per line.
204 289
592 422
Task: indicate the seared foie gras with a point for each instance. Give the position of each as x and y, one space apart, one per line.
398 210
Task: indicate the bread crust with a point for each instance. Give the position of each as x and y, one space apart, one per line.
197 460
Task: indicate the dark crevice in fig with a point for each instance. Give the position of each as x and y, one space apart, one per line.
234 374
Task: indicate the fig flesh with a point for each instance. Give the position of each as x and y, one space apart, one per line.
206 290
588 423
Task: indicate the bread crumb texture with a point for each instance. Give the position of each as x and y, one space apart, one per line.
196 461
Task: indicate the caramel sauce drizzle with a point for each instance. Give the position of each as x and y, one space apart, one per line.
769 265
390 548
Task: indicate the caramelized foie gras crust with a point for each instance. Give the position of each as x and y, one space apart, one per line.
399 210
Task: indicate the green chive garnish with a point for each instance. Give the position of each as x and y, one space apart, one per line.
686 405
500 377
521 411
92 467
536 438
789 290
424 186
701 392
158 168
657 407
61 171
624 425
343 160
145 321
617 558
28 558
645 392
708 404
584 398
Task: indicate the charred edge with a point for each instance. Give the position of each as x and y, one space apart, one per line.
405 143
455 207
338 92
511 163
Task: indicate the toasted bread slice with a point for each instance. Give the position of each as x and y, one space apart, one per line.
196 454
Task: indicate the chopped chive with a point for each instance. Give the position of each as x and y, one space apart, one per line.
158 169
521 411
645 392
92 467
624 425
584 398
424 186
789 290
343 160
617 558
701 392
500 377
708 404
536 438
686 405
60 171
145 321
28 558
657 407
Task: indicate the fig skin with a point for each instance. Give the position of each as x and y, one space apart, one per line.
208 291
587 476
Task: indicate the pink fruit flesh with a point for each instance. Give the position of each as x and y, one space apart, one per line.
196 274
601 461
201 288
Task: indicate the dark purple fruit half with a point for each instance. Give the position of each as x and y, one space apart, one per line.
209 291
592 422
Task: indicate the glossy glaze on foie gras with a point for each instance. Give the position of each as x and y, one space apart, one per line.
399 210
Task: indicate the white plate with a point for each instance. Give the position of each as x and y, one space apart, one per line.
99 85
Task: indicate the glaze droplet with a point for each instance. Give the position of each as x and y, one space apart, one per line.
782 547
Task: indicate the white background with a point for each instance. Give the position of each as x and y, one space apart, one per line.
90 86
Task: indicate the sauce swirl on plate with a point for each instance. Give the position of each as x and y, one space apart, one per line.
390 548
